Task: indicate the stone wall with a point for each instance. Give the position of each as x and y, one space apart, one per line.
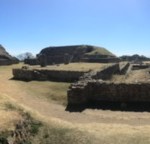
107 72
124 68
63 75
8 62
31 61
101 60
140 66
78 92
82 93
53 75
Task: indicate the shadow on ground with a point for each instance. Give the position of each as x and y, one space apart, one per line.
114 106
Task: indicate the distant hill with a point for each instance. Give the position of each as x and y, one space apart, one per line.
134 58
6 58
24 56
76 53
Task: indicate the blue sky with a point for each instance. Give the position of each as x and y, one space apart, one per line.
121 26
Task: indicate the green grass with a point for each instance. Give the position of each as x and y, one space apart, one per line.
100 51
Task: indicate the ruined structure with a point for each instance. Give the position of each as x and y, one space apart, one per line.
31 61
5 58
77 53
64 75
131 87
43 75
140 66
101 91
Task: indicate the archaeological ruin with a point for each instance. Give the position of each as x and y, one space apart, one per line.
76 53
116 82
122 87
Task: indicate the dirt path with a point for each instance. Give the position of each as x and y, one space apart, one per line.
48 109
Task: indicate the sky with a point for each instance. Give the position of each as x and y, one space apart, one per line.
121 26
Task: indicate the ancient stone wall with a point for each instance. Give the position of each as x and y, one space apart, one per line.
140 66
101 60
53 75
63 75
107 72
124 68
82 93
31 61
8 62
22 74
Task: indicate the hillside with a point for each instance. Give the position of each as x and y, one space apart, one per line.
135 57
6 58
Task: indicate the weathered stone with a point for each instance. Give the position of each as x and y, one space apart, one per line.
111 92
45 74
140 66
124 68
63 75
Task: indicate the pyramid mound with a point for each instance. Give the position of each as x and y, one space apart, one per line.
77 53
6 58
